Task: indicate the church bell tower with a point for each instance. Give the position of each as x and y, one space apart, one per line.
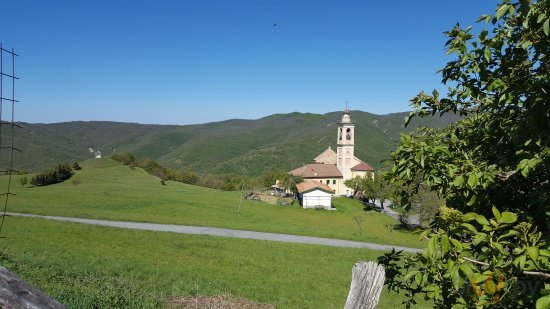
345 151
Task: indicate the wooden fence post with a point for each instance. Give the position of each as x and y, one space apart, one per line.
16 293
367 281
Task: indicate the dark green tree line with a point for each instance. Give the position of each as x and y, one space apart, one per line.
58 174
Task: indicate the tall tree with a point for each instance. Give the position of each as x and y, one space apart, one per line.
492 167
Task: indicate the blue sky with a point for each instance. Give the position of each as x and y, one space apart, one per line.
183 62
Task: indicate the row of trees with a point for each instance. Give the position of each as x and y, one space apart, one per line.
156 169
227 182
489 247
285 179
58 174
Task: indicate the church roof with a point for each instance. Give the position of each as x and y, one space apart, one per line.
317 170
327 157
311 185
362 167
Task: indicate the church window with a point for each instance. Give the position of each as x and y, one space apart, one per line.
334 181
328 181
348 133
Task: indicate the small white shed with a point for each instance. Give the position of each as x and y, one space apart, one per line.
314 194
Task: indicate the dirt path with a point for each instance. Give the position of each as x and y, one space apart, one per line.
219 232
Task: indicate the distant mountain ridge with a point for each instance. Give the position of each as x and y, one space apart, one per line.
279 141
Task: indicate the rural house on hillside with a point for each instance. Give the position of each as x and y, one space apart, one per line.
334 168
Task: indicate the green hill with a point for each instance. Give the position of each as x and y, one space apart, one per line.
106 189
280 141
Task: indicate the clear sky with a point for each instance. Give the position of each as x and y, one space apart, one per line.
196 61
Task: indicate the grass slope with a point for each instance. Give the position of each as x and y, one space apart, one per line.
97 267
281 141
104 189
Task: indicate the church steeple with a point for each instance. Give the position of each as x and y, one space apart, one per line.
346 137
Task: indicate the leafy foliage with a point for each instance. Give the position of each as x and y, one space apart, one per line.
371 187
473 261
497 157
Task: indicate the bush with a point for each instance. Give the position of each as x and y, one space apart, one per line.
60 173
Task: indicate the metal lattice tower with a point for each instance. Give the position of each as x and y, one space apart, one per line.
7 122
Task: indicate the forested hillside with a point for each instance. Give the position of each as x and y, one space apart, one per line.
280 141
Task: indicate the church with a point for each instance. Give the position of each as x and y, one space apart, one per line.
334 168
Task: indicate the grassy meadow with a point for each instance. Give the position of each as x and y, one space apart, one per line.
105 189
87 266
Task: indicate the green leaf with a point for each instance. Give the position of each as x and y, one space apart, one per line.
473 180
509 234
477 278
482 17
469 216
501 11
482 220
458 181
432 245
496 213
533 253
467 270
457 244
409 275
469 227
472 200
418 278
457 280
546 27
508 217
543 302
500 248
487 54
445 244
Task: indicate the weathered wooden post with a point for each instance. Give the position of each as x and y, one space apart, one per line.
16 293
367 281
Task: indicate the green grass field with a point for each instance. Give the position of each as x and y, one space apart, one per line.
97 267
104 189
87 266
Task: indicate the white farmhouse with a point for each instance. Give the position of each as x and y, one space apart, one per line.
313 194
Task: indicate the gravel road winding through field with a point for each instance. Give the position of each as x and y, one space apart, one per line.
213 231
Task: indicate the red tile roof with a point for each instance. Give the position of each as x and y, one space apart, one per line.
362 167
316 170
311 185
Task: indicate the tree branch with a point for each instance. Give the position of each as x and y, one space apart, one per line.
537 274
476 262
527 273
505 175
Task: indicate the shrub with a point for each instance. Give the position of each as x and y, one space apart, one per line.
60 173
76 167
